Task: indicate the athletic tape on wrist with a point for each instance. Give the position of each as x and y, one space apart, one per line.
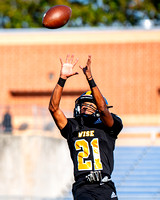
61 82
91 83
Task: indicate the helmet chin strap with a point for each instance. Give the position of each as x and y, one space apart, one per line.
89 118
86 118
85 115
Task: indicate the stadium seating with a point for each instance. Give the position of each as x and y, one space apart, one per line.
136 173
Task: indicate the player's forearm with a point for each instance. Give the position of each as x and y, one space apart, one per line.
100 102
105 115
56 95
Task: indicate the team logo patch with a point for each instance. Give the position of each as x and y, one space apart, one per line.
113 195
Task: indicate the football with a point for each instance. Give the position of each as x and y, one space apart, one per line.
57 16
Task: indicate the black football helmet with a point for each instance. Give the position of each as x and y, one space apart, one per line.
86 97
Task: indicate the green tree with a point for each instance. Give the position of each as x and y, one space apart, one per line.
29 13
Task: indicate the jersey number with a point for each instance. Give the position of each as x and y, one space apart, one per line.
83 145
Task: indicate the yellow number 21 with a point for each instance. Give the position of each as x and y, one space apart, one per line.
83 145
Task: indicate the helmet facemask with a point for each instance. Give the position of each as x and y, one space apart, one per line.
86 107
93 115
83 99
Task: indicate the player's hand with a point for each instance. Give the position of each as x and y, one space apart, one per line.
67 67
87 68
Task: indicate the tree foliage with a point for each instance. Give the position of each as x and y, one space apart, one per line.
29 13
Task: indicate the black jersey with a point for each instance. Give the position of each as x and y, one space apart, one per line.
91 145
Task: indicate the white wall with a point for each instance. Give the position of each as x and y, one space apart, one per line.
34 166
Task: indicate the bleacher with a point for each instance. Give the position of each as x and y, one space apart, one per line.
136 173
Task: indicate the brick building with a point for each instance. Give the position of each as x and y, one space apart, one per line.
125 66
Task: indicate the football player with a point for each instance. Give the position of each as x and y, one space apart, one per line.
91 135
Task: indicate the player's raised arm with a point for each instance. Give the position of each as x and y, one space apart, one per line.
65 73
105 115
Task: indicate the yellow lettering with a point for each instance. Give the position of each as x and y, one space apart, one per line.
91 133
85 134
80 134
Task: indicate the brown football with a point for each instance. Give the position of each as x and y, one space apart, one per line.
57 16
